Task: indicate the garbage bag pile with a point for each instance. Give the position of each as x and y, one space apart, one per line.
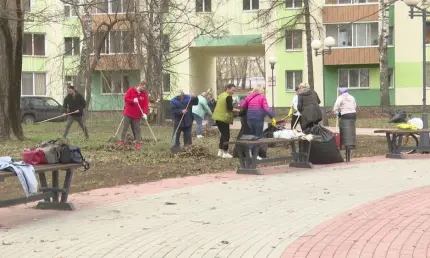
324 149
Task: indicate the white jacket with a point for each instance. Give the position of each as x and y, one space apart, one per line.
345 104
294 105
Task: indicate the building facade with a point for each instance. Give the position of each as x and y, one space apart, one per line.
52 49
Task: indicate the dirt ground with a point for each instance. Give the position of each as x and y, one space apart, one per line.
113 166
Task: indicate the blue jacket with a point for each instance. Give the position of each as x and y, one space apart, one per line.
179 105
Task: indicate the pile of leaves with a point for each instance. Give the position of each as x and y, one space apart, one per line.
129 145
194 151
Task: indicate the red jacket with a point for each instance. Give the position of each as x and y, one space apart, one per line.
131 109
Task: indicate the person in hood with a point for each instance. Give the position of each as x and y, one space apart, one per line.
199 113
183 116
135 108
75 102
345 106
308 106
257 108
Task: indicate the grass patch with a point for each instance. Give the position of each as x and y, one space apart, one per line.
112 167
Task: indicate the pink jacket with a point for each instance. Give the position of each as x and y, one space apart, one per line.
257 107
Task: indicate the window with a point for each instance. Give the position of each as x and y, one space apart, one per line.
166 82
427 32
293 4
37 102
72 46
116 42
113 6
27 5
116 82
33 84
71 81
251 5
33 44
69 11
292 79
354 78
354 35
203 6
293 39
51 103
390 35
391 77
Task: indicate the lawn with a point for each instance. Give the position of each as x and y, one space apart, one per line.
111 166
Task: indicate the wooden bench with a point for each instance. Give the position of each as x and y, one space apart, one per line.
395 141
50 195
299 157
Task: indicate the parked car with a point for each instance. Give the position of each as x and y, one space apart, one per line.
38 108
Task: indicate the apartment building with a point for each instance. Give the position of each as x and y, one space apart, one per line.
52 50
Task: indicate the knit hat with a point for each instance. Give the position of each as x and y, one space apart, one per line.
343 90
178 92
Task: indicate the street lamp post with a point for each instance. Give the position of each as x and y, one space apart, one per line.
416 11
316 45
272 62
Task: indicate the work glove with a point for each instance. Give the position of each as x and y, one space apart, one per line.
144 116
273 122
135 100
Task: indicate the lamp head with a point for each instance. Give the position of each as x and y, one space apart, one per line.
329 42
411 3
316 44
272 60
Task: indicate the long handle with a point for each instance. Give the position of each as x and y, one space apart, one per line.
74 112
117 130
153 135
295 123
183 115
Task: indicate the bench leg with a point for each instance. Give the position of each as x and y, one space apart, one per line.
250 163
301 159
393 142
44 184
56 204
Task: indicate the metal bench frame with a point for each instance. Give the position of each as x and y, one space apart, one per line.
394 142
49 195
248 164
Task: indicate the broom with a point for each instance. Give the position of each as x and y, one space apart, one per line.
173 147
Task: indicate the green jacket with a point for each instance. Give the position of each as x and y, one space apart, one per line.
221 113
202 108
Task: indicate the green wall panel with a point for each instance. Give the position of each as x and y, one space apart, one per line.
233 40
391 16
33 64
101 102
364 97
408 75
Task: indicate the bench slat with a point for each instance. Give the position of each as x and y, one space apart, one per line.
401 131
43 168
265 141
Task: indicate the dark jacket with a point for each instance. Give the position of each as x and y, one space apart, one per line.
73 103
308 106
178 105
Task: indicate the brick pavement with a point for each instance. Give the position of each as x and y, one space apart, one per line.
250 217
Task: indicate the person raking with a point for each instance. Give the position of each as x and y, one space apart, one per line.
75 102
182 116
136 107
199 113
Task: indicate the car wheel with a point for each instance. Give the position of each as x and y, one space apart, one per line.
28 119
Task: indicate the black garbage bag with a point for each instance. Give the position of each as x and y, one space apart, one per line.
399 116
270 130
323 150
244 130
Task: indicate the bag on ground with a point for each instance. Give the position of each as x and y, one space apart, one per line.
323 150
398 117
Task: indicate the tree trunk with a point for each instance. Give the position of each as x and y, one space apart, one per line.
309 52
11 32
383 57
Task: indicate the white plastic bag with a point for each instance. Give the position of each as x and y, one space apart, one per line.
417 122
285 134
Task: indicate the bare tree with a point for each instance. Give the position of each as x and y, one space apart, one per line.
383 57
11 40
